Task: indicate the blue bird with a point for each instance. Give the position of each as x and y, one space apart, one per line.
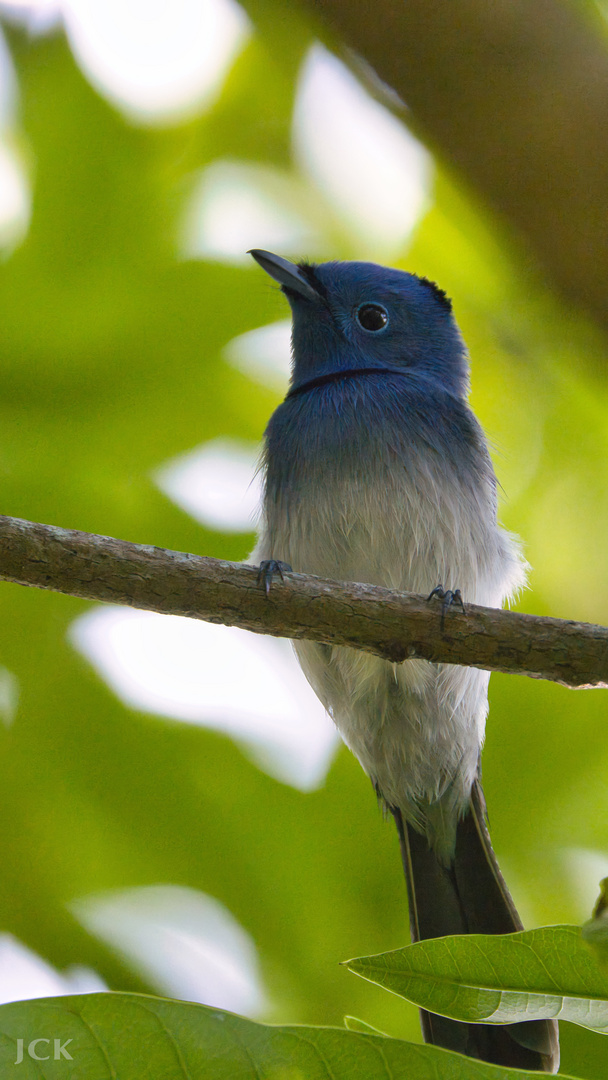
377 471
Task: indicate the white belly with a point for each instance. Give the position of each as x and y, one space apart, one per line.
416 728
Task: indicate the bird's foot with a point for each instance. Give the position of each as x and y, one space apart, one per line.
268 569
449 598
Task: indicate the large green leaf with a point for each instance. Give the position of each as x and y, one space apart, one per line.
500 979
135 1037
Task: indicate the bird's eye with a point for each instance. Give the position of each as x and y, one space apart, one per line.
372 317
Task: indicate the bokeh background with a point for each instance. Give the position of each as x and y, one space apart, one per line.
177 815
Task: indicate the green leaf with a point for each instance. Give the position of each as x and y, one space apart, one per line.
499 979
135 1037
354 1024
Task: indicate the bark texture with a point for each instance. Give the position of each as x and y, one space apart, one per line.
395 626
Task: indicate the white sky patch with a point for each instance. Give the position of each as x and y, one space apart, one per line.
15 199
8 86
38 16
365 161
585 869
184 942
157 60
248 686
25 975
216 483
15 196
263 354
236 206
9 696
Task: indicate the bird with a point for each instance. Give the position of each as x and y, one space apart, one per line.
376 470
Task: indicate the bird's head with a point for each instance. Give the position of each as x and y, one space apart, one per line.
355 314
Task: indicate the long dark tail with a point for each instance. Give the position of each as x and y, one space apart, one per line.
470 897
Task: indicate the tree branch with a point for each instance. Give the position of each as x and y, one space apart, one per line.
394 626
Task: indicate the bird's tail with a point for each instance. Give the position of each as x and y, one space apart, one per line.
470 897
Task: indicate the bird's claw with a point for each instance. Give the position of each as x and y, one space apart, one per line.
268 569
449 598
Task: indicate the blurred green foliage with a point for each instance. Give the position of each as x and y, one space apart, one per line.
111 363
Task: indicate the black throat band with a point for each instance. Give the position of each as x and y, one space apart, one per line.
337 376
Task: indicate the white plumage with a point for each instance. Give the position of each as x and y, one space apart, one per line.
416 728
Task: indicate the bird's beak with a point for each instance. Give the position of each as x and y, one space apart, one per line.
286 273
